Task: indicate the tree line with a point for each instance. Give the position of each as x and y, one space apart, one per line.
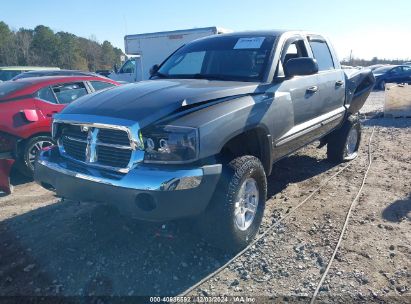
374 60
43 47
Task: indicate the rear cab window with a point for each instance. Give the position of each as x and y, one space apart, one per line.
68 92
322 54
100 85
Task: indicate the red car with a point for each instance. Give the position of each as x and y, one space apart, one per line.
26 110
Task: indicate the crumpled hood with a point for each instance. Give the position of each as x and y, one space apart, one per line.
148 101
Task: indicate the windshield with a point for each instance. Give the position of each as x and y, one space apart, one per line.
222 58
383 70
7 75
8 87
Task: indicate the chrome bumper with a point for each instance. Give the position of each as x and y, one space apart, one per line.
141 178
175 192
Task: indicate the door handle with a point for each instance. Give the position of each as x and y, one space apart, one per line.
312 89
339 83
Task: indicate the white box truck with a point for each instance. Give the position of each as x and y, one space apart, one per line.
152 48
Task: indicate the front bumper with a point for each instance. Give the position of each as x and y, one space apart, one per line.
153 193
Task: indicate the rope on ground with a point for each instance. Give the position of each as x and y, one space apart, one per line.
217 271
346 221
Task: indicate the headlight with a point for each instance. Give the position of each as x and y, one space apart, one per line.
170 144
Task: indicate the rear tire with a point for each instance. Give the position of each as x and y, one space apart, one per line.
382 85
234 215
344 142
30 152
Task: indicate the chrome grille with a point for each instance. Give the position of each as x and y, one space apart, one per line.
73 148
103 147
113 157
116 137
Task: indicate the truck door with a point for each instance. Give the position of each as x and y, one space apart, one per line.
329 108
304 94
126 73
303 89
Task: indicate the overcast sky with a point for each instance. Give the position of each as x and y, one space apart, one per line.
368 28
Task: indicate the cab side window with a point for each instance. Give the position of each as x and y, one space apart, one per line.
68 92
46 94
294 48
322 54
129 67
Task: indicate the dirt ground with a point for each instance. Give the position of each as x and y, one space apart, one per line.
50 247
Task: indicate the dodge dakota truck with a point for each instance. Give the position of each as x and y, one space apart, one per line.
199 138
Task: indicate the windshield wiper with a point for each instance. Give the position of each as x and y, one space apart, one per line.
160 75
209 76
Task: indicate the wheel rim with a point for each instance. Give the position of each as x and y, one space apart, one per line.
35 148
352 141
246 204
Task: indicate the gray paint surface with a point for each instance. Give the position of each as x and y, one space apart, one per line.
220 110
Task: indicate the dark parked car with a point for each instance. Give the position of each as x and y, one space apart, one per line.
376 66
200 138
45 73
395 74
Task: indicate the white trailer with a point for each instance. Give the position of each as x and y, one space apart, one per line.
153 48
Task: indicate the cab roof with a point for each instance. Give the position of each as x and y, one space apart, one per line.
275 33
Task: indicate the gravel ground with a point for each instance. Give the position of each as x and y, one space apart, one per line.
374 104
50 247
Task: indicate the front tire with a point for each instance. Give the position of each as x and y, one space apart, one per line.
30 152
234 215
344 142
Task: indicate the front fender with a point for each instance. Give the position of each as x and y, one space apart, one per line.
233 118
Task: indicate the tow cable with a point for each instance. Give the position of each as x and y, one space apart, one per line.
275 224
346 220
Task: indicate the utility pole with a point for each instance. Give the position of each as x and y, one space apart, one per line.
351 57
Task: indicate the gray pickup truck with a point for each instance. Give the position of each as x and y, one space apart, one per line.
199 139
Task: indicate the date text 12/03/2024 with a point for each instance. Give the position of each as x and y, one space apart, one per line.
204 299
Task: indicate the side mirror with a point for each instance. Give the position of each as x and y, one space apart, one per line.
154 69
301 66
